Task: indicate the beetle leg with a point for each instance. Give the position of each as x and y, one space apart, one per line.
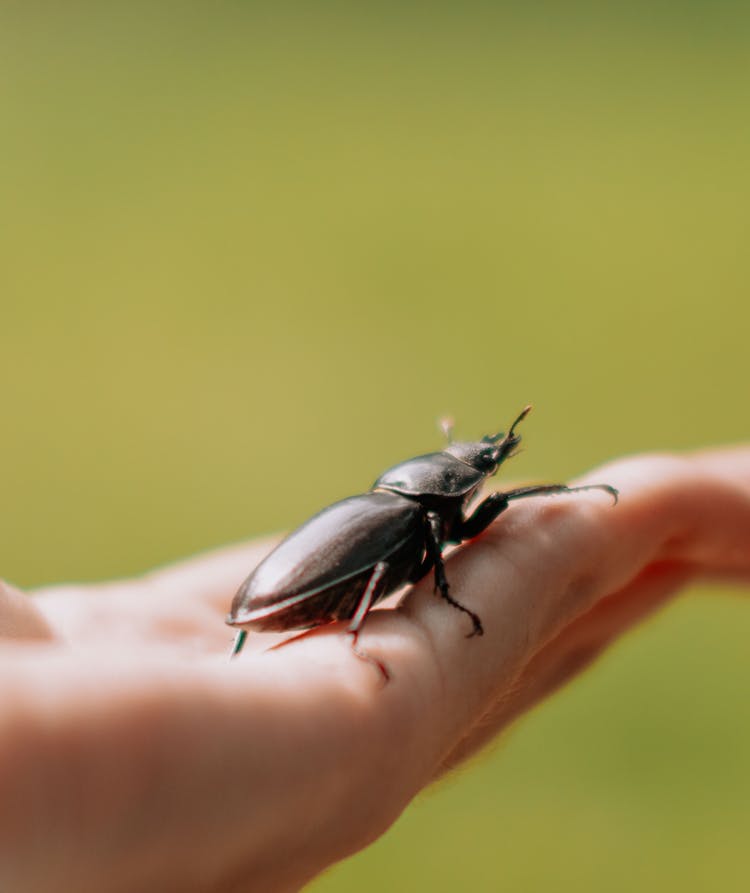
434 551
482 516
238 643
425 566
369 596
495 503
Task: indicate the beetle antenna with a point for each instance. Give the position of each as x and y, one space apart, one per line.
446 426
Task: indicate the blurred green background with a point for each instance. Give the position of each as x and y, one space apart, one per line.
249 253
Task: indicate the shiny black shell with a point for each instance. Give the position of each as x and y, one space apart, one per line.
434 474
320 571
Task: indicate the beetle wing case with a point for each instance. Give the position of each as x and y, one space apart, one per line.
325 557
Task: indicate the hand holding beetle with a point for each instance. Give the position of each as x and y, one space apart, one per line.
134 756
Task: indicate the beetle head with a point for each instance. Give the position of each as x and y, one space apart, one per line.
486 454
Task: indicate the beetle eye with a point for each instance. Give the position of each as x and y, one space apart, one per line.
489 459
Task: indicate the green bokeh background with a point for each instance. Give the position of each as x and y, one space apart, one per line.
250 253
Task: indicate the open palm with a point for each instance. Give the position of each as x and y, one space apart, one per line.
135 756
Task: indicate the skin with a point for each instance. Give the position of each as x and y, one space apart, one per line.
135 756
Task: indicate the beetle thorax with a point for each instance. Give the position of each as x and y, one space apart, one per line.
432 478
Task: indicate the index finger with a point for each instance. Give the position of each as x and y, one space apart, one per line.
550 560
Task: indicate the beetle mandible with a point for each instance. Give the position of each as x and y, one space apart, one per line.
350 555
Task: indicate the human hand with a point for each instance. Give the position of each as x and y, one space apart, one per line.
135 756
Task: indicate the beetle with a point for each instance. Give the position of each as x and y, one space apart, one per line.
352 554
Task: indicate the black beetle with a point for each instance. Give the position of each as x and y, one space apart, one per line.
355 552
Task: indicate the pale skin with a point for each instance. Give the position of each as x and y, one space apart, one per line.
135 756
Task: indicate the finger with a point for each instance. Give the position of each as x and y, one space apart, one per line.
729 462
181 605
549 561
20 617
685 508
572 651
213 576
